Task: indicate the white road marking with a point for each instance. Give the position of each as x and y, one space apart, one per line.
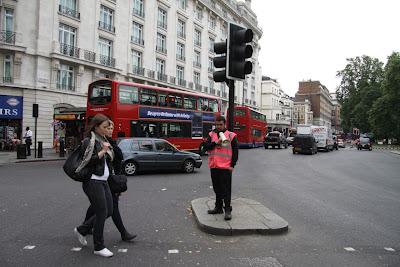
349 249
164 189
123 250
76 249
390 249
173 251
29 247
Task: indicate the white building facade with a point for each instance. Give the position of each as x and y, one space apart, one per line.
50 50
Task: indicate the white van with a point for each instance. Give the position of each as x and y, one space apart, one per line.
323 135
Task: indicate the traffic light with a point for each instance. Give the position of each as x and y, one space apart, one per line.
220 62
238 51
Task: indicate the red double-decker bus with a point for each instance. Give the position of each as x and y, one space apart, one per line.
138 110
250 126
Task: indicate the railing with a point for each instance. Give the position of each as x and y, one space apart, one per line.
162 25
138 12
190 85
63 86
89 55
196 64
161 49
138 70
107 27
69 12
162 77
69 50
172 79
7 37
180 57
150 73
197 86
137 40
107 61
7 79
210 69
212 91
181 82
197 43
181 35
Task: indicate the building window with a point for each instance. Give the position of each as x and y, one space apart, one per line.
210 64
138 8
68 7
180 51
137 34
224 30
66 38
180 75
196 77
65 78
106 19
198 13
162 18
181 30
137 62
197 59
161 43
7 75
211 22
211 83
211 44
182 4
160 68
277 117
7 34
105 52
197 37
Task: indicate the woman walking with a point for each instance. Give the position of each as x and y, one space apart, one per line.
117 164
98 156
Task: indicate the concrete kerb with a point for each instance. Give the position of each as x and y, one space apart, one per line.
249 217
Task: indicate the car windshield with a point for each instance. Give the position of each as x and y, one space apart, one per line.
364 140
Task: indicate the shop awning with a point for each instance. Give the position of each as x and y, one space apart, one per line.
78 113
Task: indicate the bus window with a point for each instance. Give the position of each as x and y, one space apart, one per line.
202 104
163 129
148 129
148 97
207 127
174 101
162 100
128 94
100 94
240 112
213 105
189 103
256 132
180 129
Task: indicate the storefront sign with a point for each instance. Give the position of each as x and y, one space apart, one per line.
171 114
11 107
65 117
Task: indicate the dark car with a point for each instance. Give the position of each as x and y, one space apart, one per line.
142 154
305 143
275 139
364 143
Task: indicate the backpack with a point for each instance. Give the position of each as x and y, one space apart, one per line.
72 163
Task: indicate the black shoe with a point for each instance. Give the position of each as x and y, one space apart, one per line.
127 236
216 210
228 214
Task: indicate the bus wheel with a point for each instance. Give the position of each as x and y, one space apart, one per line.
188 166
201 149
130 168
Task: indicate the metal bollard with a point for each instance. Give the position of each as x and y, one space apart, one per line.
40 149
62 148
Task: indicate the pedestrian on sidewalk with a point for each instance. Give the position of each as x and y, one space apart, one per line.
28 140
98 155
223 155
117 164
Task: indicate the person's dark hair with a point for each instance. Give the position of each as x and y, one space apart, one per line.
96 121
220 118
27 128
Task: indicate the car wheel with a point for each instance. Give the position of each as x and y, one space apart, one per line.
188 166
201 150
130 168
370 149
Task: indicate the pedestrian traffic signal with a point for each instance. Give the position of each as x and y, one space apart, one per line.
220 62
238 51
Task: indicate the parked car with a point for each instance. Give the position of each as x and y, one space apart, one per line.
341 143
141 154
275 139
305 143
364 143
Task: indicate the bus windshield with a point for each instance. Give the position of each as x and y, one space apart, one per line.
100 94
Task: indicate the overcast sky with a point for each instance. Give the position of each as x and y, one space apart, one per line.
311 39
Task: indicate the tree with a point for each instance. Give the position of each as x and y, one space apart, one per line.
384 115
359 88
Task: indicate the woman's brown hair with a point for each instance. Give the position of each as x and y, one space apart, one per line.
96 121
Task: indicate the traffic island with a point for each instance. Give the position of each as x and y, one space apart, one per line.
248 217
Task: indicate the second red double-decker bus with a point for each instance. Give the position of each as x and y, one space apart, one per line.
138 110
250 126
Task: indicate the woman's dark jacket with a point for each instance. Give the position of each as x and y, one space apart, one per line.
96 164
118 156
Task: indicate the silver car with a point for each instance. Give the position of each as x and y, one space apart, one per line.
143 154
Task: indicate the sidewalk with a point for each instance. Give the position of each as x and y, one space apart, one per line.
49 154
248 217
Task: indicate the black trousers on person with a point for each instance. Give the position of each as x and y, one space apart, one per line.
222 185
116 216
100 198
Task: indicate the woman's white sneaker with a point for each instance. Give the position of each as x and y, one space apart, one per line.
104 252
81 238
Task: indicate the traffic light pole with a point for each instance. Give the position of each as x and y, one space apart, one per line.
231 84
